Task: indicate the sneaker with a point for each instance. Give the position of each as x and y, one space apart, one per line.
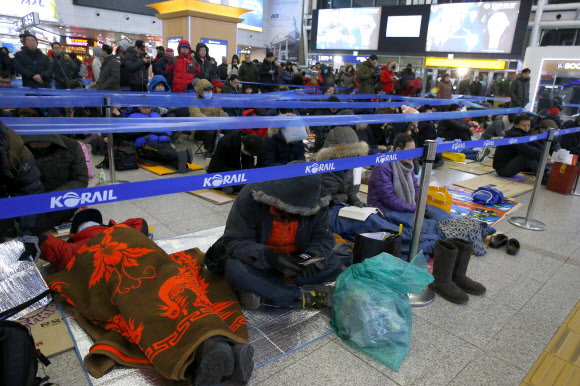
248 300
483 153
316 299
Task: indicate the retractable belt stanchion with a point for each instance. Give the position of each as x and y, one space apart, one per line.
110 148
527 222
575 191
426 297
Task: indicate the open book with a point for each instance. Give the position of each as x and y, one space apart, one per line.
359 214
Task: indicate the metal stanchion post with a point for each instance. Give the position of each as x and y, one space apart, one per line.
575 191
426 297
527 222
110 147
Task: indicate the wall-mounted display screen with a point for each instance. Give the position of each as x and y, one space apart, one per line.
404 26
486 27
348 29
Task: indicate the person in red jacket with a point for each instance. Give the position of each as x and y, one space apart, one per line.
184 69
86 224
388 77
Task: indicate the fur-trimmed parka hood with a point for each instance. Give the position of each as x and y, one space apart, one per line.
346 150
303 196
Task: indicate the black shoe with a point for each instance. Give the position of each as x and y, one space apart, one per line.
244 356
513 247
316 299
182 162
189 152
214 360
498 241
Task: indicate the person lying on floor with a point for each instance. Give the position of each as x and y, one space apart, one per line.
510 160
131 297
157 145
273 228
394 189
283 145
235 151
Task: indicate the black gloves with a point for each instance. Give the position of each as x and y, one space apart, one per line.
311 270
285 264
360 204
32 246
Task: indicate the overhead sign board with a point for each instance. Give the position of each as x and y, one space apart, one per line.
28 21
467 63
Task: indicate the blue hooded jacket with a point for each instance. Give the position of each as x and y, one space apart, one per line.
159 136
156 80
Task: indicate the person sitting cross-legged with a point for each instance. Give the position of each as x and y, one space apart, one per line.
271 227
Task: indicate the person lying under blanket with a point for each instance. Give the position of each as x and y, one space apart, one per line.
145 308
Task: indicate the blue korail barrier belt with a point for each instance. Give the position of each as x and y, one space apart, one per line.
42 126
49 202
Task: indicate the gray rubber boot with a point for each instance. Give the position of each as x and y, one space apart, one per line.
444 259
464 249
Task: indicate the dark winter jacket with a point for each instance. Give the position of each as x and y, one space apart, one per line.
249 224
19 175
452 129
160 66
342 142
427 131
137 69
464 87
519 91
6 63
365 77
63 70
229 89
476 88
208 70
287 76
29 63
110 78
228 155
62 165
407 75
266 77
223 71
278 152
382 193
504 154
571 142
248 72
322 131
347 80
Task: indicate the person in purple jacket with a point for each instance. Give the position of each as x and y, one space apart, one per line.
393 186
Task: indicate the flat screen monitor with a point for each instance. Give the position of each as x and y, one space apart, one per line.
485 27
408 26
348 29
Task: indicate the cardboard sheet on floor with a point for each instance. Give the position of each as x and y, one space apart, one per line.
488 163
472 168
161 170
274 332
214 196
509 188
48 330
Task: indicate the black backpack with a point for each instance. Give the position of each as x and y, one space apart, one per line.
125 157
19 356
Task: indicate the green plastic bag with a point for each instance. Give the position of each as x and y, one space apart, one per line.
371 308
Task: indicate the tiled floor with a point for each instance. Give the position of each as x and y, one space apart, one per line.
493 340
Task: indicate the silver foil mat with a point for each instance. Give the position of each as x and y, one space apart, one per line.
20 281
273 331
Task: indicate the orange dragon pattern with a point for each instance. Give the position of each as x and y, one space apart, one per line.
115 257
176 292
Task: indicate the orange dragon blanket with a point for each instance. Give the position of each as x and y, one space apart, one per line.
143 307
